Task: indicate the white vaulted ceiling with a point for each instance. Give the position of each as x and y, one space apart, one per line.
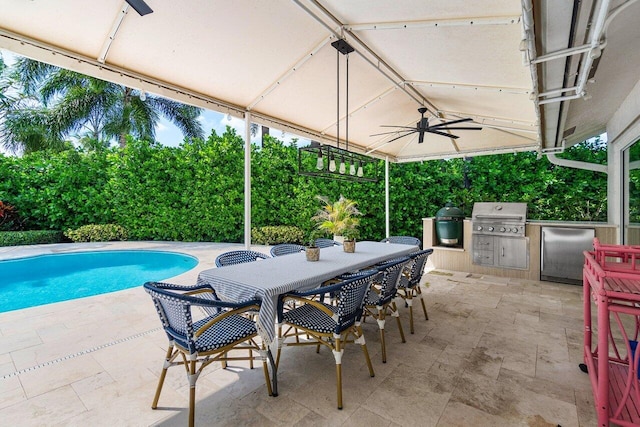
274 58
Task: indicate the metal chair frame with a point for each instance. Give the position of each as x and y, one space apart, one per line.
238 257
403 240
286 249
207 340
379 302
331 325
326 243
409 284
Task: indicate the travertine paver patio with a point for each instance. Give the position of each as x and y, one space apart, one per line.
495 352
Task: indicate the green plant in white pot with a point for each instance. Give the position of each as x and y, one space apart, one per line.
338 218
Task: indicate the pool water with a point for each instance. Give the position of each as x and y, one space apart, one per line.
44 279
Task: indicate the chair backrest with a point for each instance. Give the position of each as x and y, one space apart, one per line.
286 249
239 257
418 261
173 304
392 271
350 297
403 240
326 243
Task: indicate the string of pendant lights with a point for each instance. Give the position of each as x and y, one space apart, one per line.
327 161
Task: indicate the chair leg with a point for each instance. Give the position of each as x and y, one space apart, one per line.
163 374
395 314
192 392
409 302
424 308
337 353
381 322
250 359
360 340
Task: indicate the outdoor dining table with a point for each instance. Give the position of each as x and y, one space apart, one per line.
268 279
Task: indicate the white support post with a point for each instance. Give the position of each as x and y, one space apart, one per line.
386 196
247 180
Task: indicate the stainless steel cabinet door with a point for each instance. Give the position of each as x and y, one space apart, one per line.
512 252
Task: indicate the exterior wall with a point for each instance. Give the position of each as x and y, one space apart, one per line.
460 259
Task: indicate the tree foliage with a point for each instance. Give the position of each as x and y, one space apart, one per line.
195 192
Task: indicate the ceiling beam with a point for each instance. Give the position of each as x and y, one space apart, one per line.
460 22
447 85
102 57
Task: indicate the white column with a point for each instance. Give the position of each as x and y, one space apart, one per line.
247 180
386 196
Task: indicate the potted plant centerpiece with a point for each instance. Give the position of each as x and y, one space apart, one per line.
350 235
339 218
311 250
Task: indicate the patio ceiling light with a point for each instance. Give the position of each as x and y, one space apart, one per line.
311 159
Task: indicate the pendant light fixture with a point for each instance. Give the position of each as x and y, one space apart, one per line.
311 158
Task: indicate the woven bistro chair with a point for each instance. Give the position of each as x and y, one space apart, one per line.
326 243
286 249
379 301
239 257
409 283
206 340
330 325
403 240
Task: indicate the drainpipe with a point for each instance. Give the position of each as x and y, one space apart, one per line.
576 164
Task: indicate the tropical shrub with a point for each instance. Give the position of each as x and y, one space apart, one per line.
9 218
31 237
273 235
97 233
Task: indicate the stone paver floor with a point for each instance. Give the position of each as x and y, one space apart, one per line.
494 352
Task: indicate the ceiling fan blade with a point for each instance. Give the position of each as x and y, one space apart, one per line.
448 135
421 137
458 128
395 131
140 6
453 122
398 137
400 127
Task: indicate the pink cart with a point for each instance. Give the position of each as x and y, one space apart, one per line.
611 278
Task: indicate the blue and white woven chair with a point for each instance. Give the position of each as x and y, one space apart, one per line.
330 325
239 257
409 284
326 243
200 342
403 240
378 303
286 249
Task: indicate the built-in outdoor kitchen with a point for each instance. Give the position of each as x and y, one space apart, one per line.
499 240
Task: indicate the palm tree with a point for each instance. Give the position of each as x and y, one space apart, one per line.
99 111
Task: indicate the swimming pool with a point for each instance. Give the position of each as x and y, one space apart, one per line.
44 279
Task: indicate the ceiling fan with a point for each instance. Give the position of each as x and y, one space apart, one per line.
140 6
423 126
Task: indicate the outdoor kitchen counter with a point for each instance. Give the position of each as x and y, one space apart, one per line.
460 259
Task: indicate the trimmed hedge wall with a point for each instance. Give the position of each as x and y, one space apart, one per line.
195 192
33 237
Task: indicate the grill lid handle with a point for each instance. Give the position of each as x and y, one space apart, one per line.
499 217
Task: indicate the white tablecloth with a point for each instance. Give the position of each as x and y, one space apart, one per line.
269 278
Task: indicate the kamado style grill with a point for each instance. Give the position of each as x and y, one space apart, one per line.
498 232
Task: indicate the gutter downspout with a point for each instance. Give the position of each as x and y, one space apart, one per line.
575 164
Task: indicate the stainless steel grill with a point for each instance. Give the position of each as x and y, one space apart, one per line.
499 219
498 234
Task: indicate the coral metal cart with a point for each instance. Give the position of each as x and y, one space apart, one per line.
611 276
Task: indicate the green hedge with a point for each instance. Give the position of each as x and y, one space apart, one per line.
273 235
97 233
33 237
195 192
